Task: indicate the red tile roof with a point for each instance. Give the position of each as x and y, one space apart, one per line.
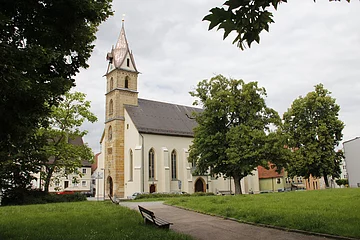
269 173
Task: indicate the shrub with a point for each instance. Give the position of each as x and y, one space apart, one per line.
27 197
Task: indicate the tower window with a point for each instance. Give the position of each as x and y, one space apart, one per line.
128 62
110 133
126 82
151 164
111 84
111 107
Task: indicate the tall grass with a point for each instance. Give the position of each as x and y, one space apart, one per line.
333 211
77 221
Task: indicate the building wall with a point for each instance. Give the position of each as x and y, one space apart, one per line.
140 145
83 182
272 184
352 161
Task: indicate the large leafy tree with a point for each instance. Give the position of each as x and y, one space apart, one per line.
314 130
233 135
43 44
65 150
248 18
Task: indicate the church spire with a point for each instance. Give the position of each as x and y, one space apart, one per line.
121 56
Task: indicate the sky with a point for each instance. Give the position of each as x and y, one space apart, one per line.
309 43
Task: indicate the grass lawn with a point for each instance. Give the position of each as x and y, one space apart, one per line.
333 211
79 220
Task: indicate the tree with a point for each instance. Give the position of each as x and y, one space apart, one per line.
248 18
64 149
314 130
233 135
43 44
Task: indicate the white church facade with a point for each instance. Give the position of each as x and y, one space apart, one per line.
145 143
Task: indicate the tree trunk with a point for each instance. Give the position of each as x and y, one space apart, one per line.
326 180
237 184
49 172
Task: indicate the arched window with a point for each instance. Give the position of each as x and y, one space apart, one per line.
128 62
173 165
151 164
131 166
111 84
111 107
126 82
110 133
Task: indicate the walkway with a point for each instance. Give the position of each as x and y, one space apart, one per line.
205 227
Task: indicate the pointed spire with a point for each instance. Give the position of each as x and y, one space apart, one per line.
122 51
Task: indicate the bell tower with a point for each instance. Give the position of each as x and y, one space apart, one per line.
121 89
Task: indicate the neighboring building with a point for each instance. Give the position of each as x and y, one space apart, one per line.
270 180
79 182
352 160
145 143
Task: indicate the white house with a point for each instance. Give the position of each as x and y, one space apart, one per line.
352 161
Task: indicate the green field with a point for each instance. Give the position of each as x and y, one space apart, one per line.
77 221
333 211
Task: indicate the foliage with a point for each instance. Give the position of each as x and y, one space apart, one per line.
43 44
78 221
331 211
27 197
248 18
171 195
64 149
314 130
341 182
233 135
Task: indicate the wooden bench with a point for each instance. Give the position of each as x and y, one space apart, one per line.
113 200
225 192
149 218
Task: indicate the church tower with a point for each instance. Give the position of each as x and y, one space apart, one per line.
121 89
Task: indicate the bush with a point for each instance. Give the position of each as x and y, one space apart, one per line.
171 195
27 197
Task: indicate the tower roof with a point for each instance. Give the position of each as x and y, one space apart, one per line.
119 55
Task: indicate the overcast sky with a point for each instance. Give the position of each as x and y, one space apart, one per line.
309 43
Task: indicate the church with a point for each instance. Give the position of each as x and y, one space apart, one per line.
145 143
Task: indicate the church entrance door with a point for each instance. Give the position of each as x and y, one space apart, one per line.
110 185
152 188
199 185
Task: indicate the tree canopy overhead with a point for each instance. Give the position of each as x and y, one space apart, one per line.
248 18
314 130
233 135
43 44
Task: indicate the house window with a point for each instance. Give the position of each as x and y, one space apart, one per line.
83 183
131 166
111 84
278 181
128 62
173 165
126 82
84 170
110 133
111 107
151 164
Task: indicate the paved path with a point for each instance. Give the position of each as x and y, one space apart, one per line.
205 227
